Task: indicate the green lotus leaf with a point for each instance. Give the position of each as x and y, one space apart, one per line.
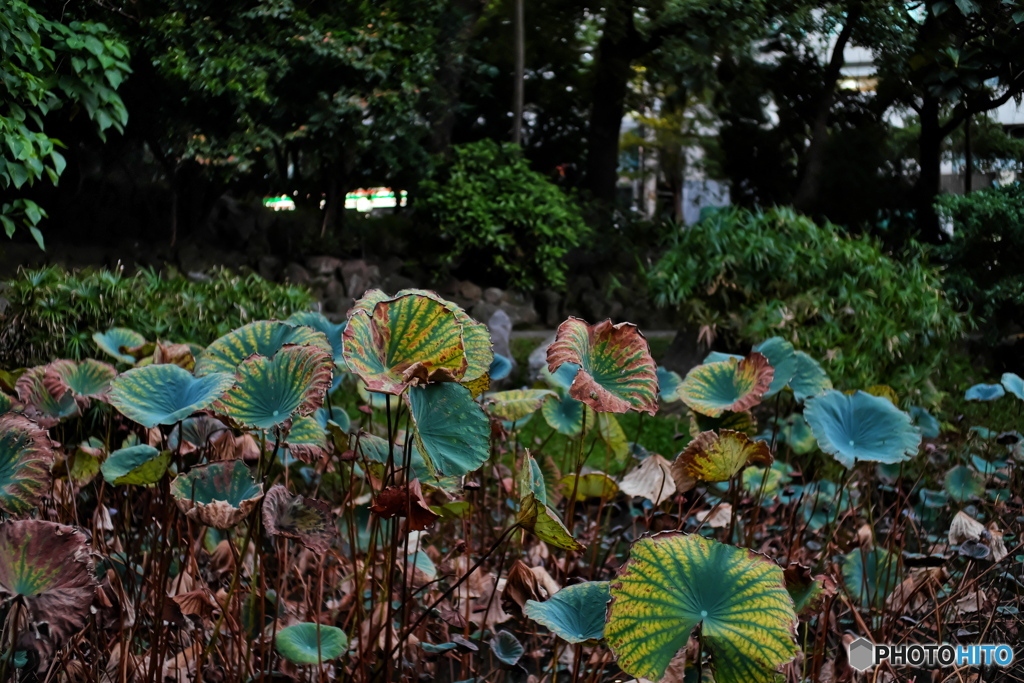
810 379
575 613
589 485
336 414
719 356
778 475
500 367
261 338
46 569
730 385
1013 383
565 415
86 379
799 435
742 421
871 575
610 432
6 403
452 433
530 479
926 422
196 433
962 483
318 322
539 519
116 342
140 465
517 404
306 439
410 340
861 427
84 464
985 392
668 385
715 456
26 456
672 582
307 520
220 494
507 648
41 405
311 643
165 394
270 391
617 373
782 357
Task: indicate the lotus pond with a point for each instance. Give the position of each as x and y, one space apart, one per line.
308 501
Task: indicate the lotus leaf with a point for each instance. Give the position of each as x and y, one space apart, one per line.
507 648
861 427
261 338
668 385
43 406
321 324
270 391
719 356
565 415
26 456
197 433
540 520
165 394
870 575
926 422
1014 384
810 379
531 480
220 494
611 433
517 404
617 373
86 379
116 342
672 582
306 439
451 430
713 388
311 643
575 613
140 465
715 456
46 568
985 392
307 520
782 357
406 341
651 480
589 485
962 483
742 421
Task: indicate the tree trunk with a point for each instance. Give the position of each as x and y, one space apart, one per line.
968 158
448 84
930 161
520 75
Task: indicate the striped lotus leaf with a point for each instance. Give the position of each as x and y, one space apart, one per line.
782 357
452 433
368 301
165 394
46 568
809 379
318 322
588 485
651 480
564 414
518 403
673 582
575 614
729 385
719 356
617 373
116 342
861 427
270 391
220 494
717 456
767 480
263 338
668 385
6 402
541 521
306 439
26 456
406 341
139 465
197 433
86 379
48 409
742 421
307 520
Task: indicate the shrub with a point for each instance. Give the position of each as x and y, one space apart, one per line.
744 276
983 272
496 211
53 313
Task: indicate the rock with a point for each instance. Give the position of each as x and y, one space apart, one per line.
350 267
500 326
539 359
269 267
296 274
390 266
552 307
448 288
470 292
519 314
483 310
493 295
323 266
395 283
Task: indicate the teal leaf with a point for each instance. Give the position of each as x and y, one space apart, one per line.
782 357
507 648
1014 384
452 433
165 394
140 465
263 338
116 340
575 613
861 427
809 378
219 494
870 575
311 643
985 392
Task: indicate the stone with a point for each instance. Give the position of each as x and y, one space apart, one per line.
538 359
296 274
269 267
390 266
470 292
552 307
395 283
323 266
500 326
493 295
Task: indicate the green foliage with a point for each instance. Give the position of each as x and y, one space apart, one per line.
54 313
46 65
752 275
489 204
982 272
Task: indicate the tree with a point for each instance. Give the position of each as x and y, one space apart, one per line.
48 68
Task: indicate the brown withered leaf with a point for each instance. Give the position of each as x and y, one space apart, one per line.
405 501
521 585
914 592
307 520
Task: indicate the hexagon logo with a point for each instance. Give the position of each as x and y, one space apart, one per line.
861 654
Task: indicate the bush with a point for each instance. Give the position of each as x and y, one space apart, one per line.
53 313
746 276
983 272
496 211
